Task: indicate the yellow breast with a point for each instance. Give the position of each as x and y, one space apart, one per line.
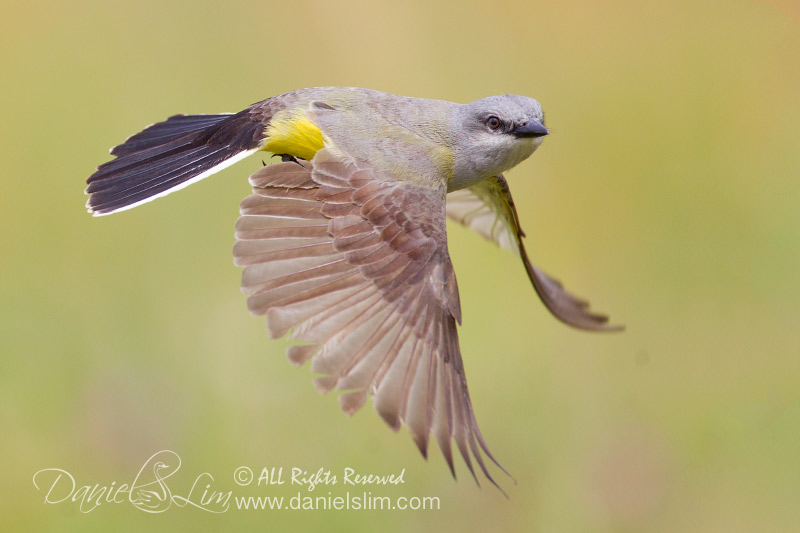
294 134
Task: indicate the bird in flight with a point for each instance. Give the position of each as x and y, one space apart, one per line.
344 243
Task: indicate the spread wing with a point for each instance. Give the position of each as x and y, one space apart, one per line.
356 263
488 208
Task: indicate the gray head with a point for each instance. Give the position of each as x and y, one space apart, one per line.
494 135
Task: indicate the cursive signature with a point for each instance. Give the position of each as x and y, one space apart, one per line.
148 491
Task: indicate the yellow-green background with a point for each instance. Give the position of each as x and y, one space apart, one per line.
668 194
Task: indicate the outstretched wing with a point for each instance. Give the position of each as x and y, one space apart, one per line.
356 263
488 208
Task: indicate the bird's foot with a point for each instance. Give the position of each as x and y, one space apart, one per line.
286 158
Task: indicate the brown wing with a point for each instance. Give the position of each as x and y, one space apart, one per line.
488 208
357 264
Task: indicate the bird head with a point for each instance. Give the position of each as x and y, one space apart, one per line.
495 134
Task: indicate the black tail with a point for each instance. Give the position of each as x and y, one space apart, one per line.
170 155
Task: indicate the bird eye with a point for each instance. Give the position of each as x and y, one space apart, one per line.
493 122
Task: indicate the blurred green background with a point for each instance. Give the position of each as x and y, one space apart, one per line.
667 194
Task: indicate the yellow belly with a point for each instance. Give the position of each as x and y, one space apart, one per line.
294 134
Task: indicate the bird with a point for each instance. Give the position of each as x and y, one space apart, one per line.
343 243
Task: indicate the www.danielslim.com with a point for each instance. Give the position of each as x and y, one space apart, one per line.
355 502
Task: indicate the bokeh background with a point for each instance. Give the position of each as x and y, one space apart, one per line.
667 194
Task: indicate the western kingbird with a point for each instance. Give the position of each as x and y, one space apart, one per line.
344 242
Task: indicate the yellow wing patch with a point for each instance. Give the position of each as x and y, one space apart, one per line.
294 134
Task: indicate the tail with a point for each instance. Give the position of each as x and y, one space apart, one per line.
171 155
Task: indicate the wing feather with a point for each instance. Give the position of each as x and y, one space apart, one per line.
355 263
489 209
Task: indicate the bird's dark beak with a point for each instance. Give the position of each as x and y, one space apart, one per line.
530 129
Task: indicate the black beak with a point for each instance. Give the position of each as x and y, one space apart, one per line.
530 129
